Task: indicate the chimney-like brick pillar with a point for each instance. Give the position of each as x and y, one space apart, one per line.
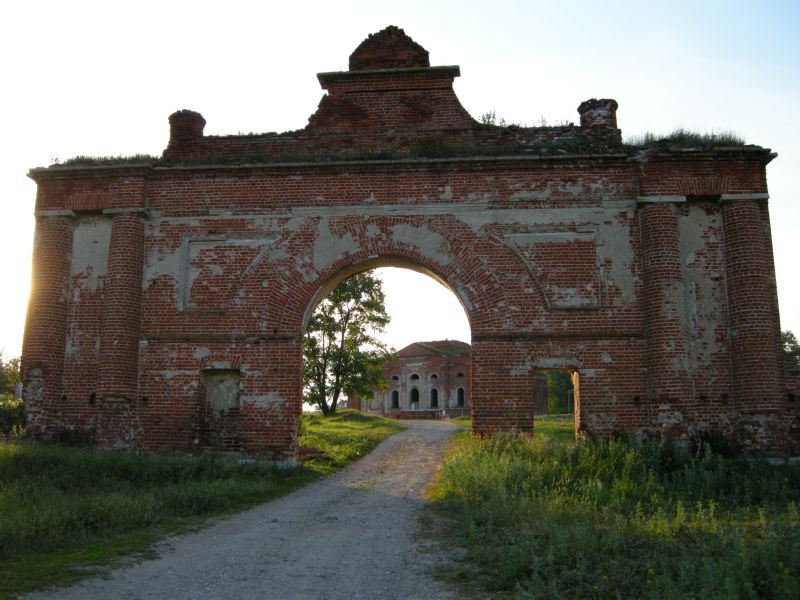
186 126
755 335
598 113
664 311
122 307
44 343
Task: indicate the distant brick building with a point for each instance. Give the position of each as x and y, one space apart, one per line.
169 295
425 378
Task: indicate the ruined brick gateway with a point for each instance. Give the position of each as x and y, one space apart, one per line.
169 296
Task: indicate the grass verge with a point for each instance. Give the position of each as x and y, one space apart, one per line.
544 518
67 512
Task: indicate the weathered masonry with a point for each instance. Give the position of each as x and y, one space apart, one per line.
169 295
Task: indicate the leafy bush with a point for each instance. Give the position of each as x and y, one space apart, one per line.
9 374
12 414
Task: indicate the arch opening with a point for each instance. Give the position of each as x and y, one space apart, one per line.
383 263
430 363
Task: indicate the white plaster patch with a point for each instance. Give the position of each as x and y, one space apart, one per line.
159 263
536 195
429 243
269 400
201 353
615 251
329 248
91 238
523 369
573 189
668 418
554 363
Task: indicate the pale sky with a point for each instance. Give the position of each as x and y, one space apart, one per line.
101 78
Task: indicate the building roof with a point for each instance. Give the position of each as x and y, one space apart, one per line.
438 347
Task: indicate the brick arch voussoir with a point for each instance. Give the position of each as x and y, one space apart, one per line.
462 283
472 265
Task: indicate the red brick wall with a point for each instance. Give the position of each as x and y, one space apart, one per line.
649 273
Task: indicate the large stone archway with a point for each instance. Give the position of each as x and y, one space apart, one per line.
169 296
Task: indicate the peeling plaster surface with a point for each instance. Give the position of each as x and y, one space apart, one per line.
91 238
201 353
269 400
428 242
700 245
615 252
329 248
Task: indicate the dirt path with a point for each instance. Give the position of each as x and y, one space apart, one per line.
349 536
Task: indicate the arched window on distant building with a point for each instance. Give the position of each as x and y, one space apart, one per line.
395 399
460 397
414 398
395 378
414 376
434 398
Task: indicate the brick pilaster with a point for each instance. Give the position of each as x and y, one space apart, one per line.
755 337
46 329
664 307
122 307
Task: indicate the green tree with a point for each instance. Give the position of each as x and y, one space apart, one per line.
341 354
9 374
791 347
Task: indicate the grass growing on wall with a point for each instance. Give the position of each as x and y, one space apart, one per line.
544 518
62 509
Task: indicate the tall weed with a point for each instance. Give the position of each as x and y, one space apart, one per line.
622 520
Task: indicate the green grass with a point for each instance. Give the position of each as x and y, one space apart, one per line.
345 437
556 428
464 421
545 518
684 138
66 511
100 161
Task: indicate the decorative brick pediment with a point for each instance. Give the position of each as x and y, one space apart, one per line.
390 48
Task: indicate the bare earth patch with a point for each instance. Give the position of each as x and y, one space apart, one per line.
349 536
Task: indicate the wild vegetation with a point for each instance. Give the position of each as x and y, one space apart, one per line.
12 418
546 517
105 161
64 511
9 374
684 138
791 347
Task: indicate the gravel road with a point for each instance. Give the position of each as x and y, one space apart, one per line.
349 536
